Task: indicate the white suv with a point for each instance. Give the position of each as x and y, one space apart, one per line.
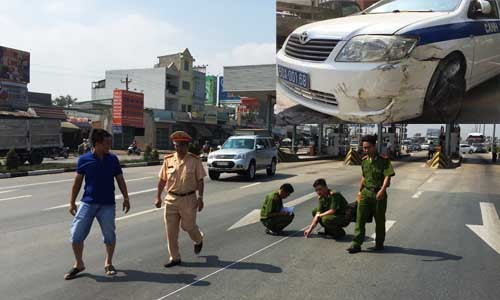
392 61
244 155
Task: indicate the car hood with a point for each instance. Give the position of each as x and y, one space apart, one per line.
347 27
231 151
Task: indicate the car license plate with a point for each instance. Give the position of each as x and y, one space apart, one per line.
223 163
296 77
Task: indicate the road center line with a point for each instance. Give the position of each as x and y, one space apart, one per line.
232 264
9 191
138 214
33 184
250 185
137 179
119 197
19 197
417 194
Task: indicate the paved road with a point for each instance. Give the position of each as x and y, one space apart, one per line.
431 253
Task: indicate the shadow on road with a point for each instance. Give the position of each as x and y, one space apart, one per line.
139 276
437 255
213 261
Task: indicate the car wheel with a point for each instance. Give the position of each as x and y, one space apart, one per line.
271 170
447 89
470 151
36 157
213 175
250 173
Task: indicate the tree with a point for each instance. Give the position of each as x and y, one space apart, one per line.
64 101
12 160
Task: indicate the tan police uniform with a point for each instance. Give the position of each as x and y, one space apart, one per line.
182 177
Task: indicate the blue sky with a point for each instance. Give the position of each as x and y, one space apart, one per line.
72 42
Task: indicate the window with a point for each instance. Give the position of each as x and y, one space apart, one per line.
186 85
190 108
261 142
183 107
186 65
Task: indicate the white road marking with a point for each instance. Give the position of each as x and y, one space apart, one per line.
250 185
417 194
388 225
10 191
119 197
13 198
254 216
489 232
137 179
33 184
232 264
138 214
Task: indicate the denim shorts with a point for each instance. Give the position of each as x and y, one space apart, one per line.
105 215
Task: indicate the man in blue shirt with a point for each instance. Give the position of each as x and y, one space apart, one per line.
99 168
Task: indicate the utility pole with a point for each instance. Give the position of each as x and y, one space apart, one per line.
127 81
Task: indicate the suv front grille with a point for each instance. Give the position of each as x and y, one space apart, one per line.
311 94
223 164
225 156
314 49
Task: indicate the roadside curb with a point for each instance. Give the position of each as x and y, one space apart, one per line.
72 169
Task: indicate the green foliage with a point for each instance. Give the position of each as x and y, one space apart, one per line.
64 101
12 160
155 156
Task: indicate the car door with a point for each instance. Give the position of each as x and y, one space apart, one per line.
269 151
260 154
486 37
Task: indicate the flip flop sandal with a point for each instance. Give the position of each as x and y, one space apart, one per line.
110 270
72 273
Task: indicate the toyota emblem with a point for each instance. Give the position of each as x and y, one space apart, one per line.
303 38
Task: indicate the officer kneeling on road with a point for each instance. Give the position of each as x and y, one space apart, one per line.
330 212
372 196
272 214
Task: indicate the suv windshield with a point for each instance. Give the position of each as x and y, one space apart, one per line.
387 6
239 144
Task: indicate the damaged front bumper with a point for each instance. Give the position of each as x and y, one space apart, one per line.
360 92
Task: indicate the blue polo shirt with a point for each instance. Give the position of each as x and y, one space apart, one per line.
99 177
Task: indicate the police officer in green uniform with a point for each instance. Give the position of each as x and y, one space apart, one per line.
372 196
330 212
272 215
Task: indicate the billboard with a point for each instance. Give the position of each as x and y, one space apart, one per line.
225 96
128 109
211 89
14 65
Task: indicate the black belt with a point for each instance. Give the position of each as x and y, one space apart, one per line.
182 195
373 189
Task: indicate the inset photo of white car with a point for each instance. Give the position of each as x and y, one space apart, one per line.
392 61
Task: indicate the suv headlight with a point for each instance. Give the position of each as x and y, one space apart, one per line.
211 156
376 48
240 156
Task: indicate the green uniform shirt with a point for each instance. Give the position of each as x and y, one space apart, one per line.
336 202
272 204
375 170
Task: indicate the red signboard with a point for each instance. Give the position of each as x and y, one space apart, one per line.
128 109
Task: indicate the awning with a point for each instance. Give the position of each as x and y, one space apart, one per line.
69 126
202 130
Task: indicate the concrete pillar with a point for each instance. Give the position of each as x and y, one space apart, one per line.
294 138
269 113
447 141
379 137
320 138
493 145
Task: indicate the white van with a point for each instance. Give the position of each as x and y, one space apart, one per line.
393 59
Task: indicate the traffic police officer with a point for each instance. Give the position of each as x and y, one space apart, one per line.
372 196
272 215
330 212
181 176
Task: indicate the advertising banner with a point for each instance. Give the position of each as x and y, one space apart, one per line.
128 109
14 65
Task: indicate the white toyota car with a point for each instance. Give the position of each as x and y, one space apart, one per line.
390 61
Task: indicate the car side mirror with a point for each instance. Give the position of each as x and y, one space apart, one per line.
259 147
219 147
480 8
